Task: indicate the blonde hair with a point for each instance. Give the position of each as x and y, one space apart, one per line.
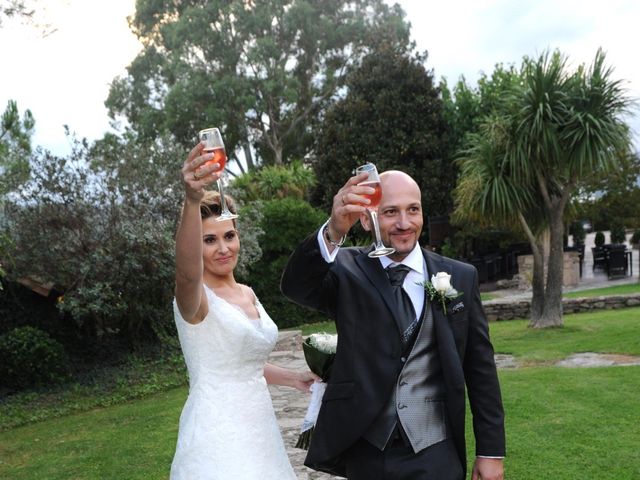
210 204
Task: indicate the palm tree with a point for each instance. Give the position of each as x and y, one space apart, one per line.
489 193
559 127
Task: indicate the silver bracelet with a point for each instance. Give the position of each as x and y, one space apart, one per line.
325 234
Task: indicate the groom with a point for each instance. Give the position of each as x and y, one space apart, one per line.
395 404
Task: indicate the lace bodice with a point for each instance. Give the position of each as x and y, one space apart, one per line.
227 345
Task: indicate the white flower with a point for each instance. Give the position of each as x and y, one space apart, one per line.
439 289
441 281
324 342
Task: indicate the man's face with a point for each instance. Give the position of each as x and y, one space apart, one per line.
399 213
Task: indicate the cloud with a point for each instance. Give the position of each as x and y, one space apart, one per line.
468 37
64 77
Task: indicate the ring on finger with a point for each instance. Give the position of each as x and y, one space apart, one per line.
196 177
343 202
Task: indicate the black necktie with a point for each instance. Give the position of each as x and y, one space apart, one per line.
407 313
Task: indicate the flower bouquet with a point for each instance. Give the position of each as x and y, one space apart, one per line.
319 352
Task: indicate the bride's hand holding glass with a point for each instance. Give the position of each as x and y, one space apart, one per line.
213 144
199 171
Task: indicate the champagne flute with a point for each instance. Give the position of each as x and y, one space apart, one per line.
373 181
213 143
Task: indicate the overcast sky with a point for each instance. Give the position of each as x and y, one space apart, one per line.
63 77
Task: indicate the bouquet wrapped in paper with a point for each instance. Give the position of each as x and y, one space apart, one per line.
319 351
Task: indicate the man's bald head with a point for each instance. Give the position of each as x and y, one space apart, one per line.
395 179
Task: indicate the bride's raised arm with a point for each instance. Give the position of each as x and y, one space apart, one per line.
189 264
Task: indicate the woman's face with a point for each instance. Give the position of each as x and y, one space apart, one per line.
221 246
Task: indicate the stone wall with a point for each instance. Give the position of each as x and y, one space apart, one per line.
570 275
500 309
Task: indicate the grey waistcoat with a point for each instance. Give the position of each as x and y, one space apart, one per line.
418 399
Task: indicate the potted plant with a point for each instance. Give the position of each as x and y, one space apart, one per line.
578 233
618 233
599 239
635 239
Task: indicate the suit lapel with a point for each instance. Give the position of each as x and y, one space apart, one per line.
372 269
446 342
435 265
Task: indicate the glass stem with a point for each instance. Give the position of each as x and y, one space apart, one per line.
223 202
376 228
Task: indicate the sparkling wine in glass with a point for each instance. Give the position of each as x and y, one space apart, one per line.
373 181
213 143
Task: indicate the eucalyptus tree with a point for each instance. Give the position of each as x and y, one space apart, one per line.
562 126
15 8
262 70
15 146
612 197
15 149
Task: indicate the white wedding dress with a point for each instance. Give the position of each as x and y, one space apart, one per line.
228 428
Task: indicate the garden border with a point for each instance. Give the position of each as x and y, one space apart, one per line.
509 309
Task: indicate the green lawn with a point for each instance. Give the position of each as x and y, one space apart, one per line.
569 424
605 331
598 292
131 441
562 424
488 296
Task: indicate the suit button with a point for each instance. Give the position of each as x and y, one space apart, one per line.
403 359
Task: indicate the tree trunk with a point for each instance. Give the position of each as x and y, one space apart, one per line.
537 275
537 283
277 153
248 155
552 310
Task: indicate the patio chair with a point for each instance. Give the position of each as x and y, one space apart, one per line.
617 261
599 258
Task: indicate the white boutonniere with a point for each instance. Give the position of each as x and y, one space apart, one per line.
439 290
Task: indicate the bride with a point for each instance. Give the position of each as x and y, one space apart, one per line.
228 428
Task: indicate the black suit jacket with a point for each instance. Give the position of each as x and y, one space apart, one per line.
354 291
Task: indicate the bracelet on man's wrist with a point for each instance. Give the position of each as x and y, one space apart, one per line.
332 242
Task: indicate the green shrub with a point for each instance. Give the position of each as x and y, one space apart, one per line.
599 239
30 357
285 222
618 233
635 238
274 181
110 241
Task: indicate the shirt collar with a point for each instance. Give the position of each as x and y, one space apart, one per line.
414 260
